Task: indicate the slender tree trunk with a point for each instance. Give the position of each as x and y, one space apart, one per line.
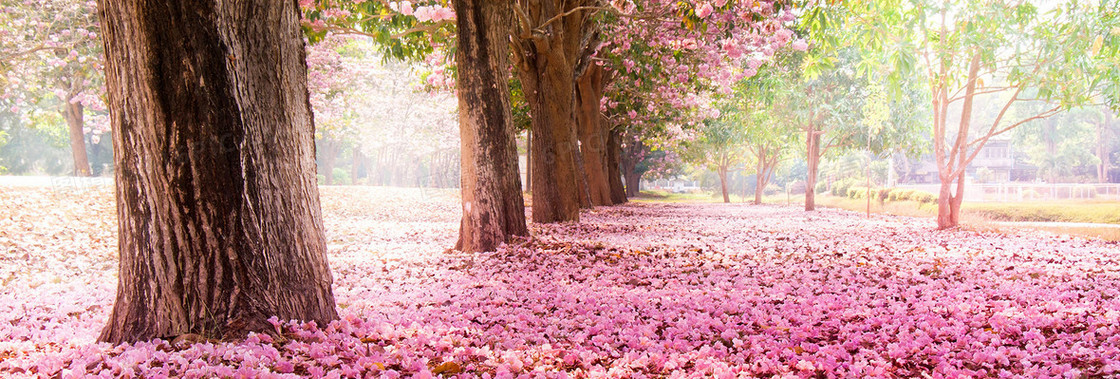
944 204
813 156
760 177
72 112
956 201
614 165
592 135
493 208
948 206
722 170
218 211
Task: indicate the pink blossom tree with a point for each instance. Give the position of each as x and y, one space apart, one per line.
51 61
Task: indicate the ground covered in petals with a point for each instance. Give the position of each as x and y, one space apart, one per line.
638 290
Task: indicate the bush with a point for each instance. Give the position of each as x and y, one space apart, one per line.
897 194
840 187
340 176
857 192
798 187
884 193
900 194
923 197
821 187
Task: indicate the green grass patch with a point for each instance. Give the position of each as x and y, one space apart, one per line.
690 197
1096 212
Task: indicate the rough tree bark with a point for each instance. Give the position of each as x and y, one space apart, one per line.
631 156
593 136
218 211
493 207
75 120
547 48
614 165
555 180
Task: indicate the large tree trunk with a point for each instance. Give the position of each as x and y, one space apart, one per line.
548 46
633 182
549 91
493 208
593 136
72 112
723 183
631 156
218 211
614 165
813 156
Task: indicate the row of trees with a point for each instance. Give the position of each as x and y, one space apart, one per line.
213 130
597 82
878 74
220 226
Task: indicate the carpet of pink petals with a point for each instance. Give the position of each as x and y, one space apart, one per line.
639 290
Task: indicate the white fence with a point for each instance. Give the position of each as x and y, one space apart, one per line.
1012 192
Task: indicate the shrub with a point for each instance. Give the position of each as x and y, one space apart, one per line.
798 187
840 187
923 197
340 176
900 194
821 187
884 193
855 192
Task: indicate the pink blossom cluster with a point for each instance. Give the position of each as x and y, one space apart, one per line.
667 55
52 50
639 290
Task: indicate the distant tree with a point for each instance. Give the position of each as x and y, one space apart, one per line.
721 144
1012 52
762 104
478 34
50 60
1059 144
219 219
828 115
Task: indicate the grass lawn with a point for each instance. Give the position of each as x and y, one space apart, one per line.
976 215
